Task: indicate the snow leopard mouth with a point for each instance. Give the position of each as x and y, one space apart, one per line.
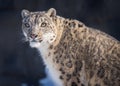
40 40
36 40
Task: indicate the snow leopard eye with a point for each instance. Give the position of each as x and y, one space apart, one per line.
27 25
44 24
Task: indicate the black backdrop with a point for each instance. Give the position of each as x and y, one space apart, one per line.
18 62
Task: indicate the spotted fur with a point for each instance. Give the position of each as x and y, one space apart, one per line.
76 55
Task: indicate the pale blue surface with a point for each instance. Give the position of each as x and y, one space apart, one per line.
47 81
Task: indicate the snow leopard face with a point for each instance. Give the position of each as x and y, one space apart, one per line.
38 27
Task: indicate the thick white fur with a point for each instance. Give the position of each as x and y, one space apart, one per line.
44 50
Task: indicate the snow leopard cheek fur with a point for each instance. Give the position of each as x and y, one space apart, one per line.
49 37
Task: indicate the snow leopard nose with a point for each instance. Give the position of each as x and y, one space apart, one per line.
33 36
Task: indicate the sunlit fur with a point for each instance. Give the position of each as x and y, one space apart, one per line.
74 54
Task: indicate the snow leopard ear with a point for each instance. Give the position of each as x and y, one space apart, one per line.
25 13
51 12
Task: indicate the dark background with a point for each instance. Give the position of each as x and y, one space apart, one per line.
21 64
